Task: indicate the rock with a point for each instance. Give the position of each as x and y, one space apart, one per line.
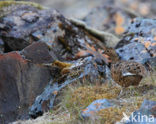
145 115
109 18
25 24
144 8
20 22
47 41
45 101
37 53
139 41
108 39
96 106
80 69
21 81
1 46
151 62
133 51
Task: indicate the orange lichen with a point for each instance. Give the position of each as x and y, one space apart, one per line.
55 92
97 105
154 38
84 110
136 39
147 44
81 53
119 30
119 22
144 9
91 50
153 44
119 19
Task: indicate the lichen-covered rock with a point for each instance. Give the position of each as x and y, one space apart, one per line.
110 18
144 8
115 15
50 39
21 81
87 69
139 41
26 24
20 22
96 106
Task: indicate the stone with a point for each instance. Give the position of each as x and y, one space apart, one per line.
21 81
37 53
138 43
1 46
23 25
96 106
109 18
80 69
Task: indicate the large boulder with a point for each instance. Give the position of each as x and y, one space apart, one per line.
24 24
21 81
81 70
139 41
51 48
109 18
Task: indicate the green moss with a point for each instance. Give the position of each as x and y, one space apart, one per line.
8 3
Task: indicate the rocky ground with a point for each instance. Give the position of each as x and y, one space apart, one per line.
53 68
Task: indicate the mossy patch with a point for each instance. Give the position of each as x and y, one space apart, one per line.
61 64
11 2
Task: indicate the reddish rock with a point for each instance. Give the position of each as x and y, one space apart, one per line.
37 53
21 81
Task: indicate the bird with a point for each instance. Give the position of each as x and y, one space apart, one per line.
125 73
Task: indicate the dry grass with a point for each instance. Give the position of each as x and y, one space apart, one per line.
77 97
